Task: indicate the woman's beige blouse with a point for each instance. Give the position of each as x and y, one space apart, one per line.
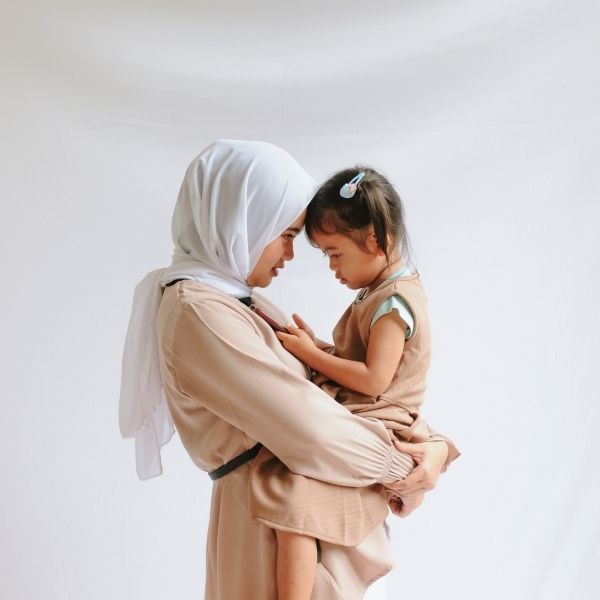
229 384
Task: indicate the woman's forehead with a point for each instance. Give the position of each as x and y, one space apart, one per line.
298 224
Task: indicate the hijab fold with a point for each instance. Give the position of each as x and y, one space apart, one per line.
236 197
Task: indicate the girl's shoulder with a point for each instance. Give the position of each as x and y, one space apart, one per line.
388 288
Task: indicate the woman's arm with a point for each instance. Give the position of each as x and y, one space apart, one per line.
386 344
221 363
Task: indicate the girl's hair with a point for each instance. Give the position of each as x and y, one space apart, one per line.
375 204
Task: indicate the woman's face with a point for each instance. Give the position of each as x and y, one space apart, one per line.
275 254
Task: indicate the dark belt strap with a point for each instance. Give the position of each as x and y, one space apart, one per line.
173 282
236 462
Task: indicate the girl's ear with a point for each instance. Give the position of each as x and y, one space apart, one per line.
373 246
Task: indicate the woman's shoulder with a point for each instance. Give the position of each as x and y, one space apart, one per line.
192 291
200 302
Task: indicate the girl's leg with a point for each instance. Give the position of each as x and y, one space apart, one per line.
296 565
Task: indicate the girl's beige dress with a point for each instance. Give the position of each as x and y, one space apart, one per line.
230 383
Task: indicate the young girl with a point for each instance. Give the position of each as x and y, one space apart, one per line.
377 367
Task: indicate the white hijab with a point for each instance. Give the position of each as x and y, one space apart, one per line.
236 197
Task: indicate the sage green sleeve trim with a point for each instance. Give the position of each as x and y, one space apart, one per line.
400 305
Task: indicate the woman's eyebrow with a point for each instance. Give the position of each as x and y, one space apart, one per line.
294 229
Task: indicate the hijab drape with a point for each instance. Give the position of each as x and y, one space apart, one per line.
236 197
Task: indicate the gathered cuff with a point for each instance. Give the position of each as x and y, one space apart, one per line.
396 466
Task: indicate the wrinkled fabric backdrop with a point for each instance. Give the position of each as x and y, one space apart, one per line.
486 117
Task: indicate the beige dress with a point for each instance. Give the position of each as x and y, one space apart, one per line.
293 502
229 383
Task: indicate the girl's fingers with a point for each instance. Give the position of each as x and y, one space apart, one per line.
282 336
302 324
299 321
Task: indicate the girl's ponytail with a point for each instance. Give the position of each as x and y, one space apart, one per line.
379 211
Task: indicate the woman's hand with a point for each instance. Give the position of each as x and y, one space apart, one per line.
403 506
430 458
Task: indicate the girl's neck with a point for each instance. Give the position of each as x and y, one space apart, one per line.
392 267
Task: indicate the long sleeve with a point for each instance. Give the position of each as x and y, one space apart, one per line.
220 362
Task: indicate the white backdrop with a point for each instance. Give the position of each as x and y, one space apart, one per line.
484 114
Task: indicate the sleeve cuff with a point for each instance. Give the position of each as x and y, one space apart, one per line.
397 465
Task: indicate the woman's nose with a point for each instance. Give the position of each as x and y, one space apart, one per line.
289 250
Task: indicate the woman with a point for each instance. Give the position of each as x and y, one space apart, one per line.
231 386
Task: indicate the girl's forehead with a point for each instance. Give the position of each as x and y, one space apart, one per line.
328 241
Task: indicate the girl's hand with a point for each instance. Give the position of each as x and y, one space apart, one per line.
297 341
304 326
430 458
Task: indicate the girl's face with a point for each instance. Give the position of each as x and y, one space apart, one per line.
352 265
275 254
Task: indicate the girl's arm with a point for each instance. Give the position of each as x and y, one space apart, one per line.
373 377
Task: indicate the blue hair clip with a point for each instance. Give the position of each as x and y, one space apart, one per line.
349 189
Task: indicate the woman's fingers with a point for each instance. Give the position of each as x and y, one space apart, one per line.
417 482
413 449
395 505
403 506
410 503
430 457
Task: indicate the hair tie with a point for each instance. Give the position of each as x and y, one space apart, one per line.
349 189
